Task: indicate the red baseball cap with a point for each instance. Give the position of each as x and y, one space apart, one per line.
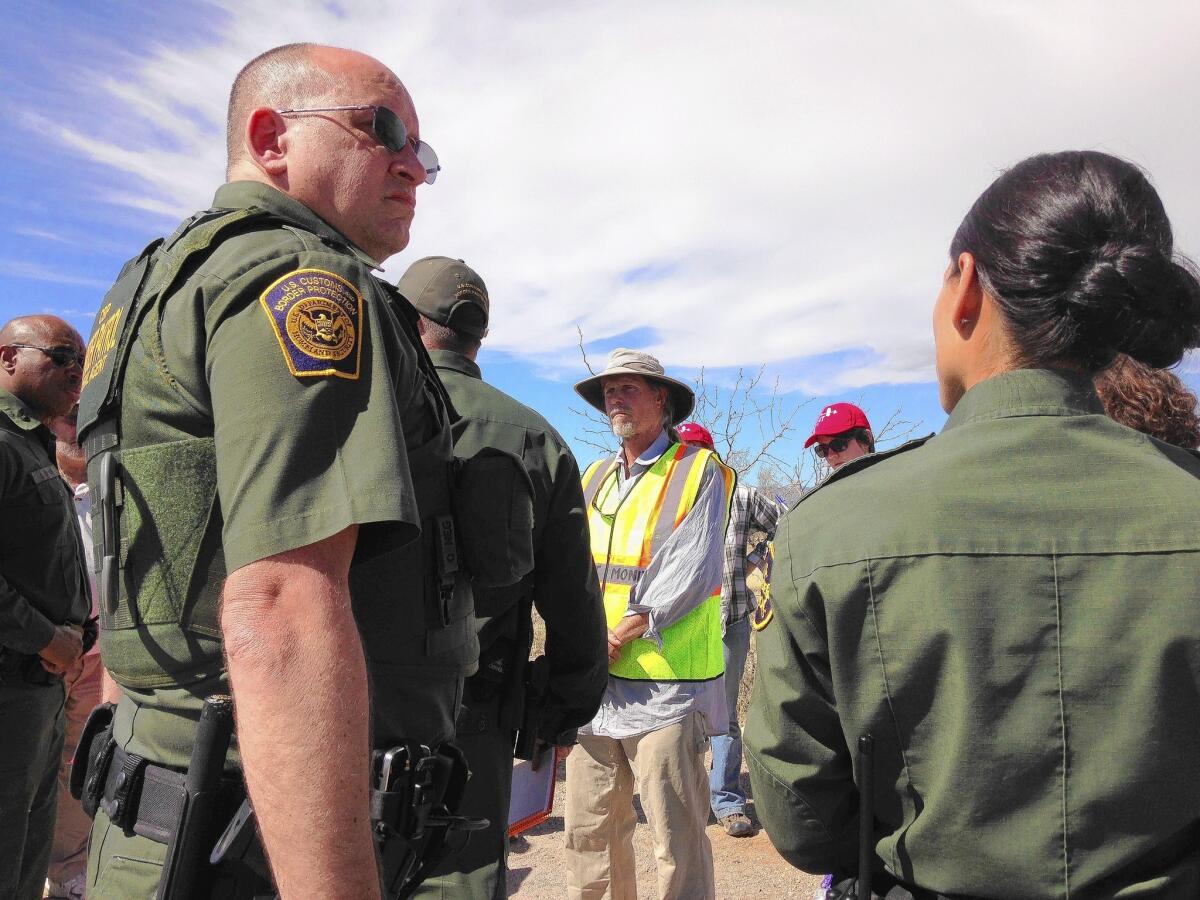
836 419
695 433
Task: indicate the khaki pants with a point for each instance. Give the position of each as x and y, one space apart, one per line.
667 768
68 857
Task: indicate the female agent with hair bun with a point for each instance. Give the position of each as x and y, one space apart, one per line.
1014 618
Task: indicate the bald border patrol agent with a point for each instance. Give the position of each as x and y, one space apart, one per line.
539 704
270 449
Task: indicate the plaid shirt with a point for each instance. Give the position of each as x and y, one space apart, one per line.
750 512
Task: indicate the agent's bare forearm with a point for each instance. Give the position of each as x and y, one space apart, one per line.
300 690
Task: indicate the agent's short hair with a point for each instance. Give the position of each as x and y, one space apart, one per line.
443 337
285 76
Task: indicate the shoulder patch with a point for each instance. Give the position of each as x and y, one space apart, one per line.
318 321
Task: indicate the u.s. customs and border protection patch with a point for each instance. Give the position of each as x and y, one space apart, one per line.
317 317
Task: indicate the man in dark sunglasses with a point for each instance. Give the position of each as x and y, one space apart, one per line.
842 433
284 456
44 599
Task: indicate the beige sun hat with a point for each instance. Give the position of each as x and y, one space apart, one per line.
633 362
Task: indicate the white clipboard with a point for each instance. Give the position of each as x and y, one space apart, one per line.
532 798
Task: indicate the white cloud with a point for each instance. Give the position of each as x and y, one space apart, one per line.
18 268
797 168
40 233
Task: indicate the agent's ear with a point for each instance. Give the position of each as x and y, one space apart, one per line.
266 141
966 301
8 359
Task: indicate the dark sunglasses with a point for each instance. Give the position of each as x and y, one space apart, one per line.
837 445
388 130
63 357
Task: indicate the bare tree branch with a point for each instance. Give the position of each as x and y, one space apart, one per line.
750 426
583 352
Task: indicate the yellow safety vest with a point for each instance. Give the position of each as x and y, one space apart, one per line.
626 533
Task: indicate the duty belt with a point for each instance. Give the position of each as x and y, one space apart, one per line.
137 796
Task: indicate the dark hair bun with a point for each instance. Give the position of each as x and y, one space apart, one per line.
1076 248
1137 301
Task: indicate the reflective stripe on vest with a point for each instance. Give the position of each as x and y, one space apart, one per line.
625 534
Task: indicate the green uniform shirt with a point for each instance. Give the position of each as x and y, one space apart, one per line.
565 590
43 582
1011 610
285 352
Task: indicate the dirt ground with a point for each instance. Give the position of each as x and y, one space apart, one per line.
745 867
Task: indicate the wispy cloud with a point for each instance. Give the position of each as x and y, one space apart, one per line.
40 233
17 268
771 186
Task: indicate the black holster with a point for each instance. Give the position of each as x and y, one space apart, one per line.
413 804
414 795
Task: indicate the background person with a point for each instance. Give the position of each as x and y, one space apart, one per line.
43 591
658 511
283 437
1010 610
68 857
1153 401
750 513
454 306
841 433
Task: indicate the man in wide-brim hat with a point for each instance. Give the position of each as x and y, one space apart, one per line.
657 513
680 398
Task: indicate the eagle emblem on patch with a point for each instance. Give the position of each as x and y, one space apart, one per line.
317 317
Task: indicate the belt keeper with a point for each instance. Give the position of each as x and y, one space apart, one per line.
128 779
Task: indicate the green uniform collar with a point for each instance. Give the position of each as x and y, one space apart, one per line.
243 194
1027 392
17 412
456 362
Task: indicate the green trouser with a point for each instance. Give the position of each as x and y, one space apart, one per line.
30 752
479 871
130 864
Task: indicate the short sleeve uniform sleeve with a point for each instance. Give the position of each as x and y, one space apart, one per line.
307 428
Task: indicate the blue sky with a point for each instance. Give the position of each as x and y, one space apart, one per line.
772 184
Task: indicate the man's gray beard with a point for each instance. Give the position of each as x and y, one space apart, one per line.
624 429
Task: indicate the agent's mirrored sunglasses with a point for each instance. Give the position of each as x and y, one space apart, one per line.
837 445
389 131
63 357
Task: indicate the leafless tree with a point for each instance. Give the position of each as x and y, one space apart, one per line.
790 478
749 424
747 420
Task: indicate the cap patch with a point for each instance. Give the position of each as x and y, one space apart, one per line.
317 317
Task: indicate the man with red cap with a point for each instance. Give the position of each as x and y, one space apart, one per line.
750 514
842 433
